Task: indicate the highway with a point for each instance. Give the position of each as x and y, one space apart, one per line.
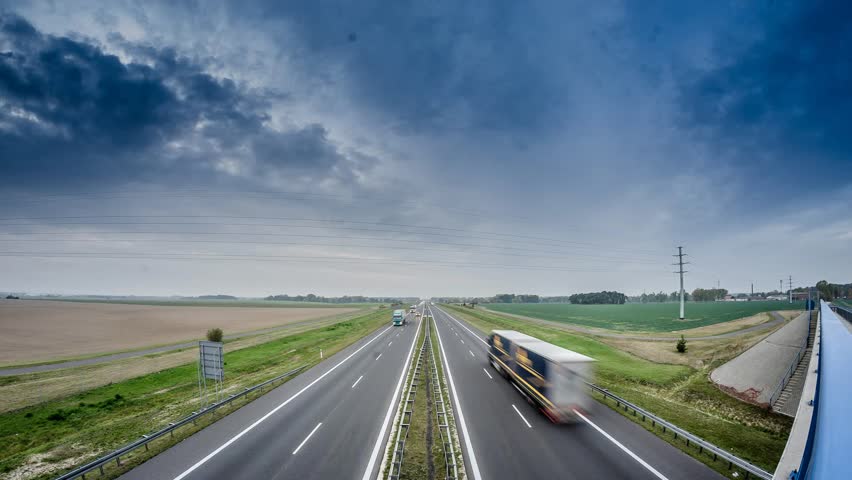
333 421
510 439
329 422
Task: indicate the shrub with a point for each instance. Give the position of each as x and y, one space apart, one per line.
214 335
57 416
681 345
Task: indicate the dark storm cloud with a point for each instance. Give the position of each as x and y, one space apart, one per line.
789 94
432 65
72 113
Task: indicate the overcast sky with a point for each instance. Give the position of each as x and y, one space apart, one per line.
423 148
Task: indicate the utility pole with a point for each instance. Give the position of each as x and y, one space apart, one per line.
680 263
781 286
791 289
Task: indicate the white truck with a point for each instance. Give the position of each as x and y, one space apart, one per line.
551 377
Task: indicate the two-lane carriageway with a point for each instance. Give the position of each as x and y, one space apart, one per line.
510 439
330 422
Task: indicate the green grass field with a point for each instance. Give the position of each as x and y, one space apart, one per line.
649 317
677 393
70 430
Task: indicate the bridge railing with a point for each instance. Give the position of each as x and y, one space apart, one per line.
826 453
146 439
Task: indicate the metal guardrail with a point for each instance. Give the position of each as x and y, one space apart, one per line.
842 310
143 442
702 444
407 413
793 365
443 418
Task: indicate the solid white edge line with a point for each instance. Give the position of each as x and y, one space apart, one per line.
520 415
272 412
356 381
489 375
471 455
393 403
622 447
306 439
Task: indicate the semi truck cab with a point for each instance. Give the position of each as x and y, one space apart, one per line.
398 318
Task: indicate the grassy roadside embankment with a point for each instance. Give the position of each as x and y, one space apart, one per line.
43 440
680 394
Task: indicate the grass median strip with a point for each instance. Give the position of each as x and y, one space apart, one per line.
45 439
680 394
431 438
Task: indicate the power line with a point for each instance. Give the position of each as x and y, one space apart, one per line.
336 237
342 245
528 238
293 258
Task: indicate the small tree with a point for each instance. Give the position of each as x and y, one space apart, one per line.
214 335
681 345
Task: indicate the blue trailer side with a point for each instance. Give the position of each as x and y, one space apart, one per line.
551 377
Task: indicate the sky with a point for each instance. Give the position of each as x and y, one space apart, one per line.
436 148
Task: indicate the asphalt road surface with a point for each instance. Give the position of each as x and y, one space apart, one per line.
511 439
333 421
326 423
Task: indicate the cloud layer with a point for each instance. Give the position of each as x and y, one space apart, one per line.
589 138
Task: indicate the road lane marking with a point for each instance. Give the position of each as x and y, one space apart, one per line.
471 455
471 354
272 412
464 327
380 356
389 343
393 403
489 375
461 341
522 417
306 439
356 381
619 445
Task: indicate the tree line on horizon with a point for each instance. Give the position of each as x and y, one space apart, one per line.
344 299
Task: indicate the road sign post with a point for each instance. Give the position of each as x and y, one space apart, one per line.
211 372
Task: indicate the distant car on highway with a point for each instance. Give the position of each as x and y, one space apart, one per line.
398 318
550 377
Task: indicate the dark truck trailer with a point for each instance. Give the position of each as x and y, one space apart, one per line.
551 377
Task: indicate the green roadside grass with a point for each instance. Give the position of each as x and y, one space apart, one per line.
52 437
680 394
644 317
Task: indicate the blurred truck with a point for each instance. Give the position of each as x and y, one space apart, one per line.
398 318
550 377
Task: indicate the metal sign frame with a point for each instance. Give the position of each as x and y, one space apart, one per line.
211 372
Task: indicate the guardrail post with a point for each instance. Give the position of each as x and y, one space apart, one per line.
101 468
118 461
